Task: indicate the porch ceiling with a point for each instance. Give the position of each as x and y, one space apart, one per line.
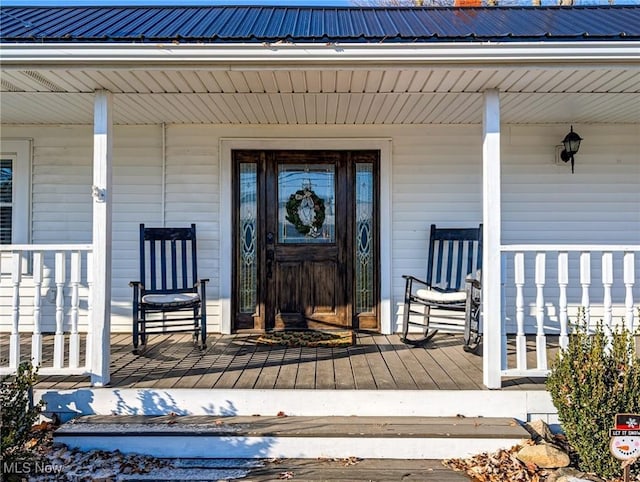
323 95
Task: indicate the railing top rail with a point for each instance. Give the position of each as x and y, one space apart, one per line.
580 248
45 247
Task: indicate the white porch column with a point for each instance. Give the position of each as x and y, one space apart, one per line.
491 270
101 190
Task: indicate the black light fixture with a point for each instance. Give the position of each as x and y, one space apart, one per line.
571 143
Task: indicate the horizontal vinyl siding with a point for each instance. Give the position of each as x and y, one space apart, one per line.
137 198
542 202
62 204
433 183
61 184
437 178
192 196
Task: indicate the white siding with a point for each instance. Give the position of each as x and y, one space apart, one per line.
192 196
436 173
544 203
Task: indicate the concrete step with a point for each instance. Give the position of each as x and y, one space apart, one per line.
302 437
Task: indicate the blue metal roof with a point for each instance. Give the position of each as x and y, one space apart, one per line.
228 24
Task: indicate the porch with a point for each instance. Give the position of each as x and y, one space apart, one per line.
50 291
374 362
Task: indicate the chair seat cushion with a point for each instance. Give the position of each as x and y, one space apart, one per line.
171 300
441 296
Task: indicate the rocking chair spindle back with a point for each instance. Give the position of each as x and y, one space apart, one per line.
169 296
449 299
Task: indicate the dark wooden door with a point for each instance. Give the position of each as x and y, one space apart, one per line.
308 270
305 237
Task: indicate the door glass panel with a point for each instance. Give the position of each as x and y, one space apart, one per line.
306 203
247 237
364 238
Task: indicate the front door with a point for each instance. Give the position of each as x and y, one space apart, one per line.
306 251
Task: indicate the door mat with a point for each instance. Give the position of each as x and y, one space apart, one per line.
308 338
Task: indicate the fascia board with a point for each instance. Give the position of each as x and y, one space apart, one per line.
166 55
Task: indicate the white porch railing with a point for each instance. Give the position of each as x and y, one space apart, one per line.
48 288
544 287
63 274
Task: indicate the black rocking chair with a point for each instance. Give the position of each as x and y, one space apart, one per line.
449 300
169 297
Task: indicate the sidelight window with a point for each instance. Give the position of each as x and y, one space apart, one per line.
364 238
247 238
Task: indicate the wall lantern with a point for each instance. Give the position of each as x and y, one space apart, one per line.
571 143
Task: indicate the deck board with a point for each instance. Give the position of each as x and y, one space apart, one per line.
438 374
382 376
375 362
421 377
306 376
343 371
399 372
325 375
362 375
271 369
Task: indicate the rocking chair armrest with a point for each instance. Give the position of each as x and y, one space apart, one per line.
474 282
413 279
413 284
201 282
136 284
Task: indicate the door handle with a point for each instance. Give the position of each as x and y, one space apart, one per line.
270 258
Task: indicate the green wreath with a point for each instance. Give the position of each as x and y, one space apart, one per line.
293 214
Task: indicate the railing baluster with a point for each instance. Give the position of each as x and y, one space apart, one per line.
585 282
628 279
36 338
541 339
43 274
88 345
503 305
14 339
618 299
521 339
60 278
74 338
607 281
563 281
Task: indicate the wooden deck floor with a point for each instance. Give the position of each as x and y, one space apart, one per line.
375 362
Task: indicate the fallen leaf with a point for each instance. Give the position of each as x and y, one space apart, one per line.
351 461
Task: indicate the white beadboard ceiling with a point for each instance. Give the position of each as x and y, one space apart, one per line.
315 96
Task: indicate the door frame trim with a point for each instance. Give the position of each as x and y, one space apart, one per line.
227 145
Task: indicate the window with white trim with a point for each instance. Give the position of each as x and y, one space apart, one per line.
15 170
6 199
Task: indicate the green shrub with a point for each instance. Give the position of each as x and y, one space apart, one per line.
18 414
596 377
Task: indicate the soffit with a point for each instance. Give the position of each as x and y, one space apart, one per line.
323 96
